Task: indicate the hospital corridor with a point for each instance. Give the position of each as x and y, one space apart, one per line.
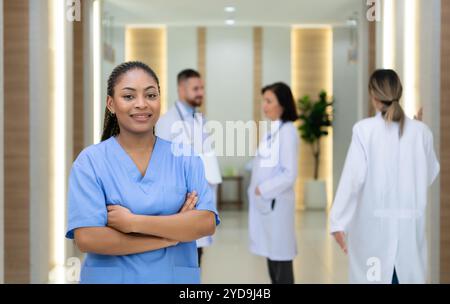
224 142
319 261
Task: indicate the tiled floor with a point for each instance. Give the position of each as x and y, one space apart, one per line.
229 260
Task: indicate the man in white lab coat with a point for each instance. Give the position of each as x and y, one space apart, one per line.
184 113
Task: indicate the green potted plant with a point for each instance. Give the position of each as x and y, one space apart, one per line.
315 118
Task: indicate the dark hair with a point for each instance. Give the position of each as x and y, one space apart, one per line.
386 87
111 125
186 74
285 99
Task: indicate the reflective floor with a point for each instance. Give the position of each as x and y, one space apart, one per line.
319 261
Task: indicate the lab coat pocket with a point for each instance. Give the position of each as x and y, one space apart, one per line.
101 275
264 206
186 275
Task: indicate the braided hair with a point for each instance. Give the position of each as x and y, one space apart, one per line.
111 125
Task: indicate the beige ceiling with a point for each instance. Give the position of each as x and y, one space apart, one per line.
248 12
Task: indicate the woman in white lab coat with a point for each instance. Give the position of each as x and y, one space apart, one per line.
380 205
271 190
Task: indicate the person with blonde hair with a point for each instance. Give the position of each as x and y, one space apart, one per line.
378 215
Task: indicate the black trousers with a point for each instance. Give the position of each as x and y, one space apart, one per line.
395 278
199 253
281 272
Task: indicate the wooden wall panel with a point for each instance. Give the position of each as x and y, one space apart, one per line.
16 141
312 71
149 46
312 61
257 73
201 61
2 170
372 58
445 143
78 87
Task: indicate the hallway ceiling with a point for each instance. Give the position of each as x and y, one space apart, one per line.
248 12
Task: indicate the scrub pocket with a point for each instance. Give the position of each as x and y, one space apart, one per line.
186 275
101 275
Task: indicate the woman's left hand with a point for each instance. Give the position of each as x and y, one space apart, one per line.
120 218
340 239
257 191
419 115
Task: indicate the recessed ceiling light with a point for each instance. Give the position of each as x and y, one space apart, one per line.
230 9
230 21
352 22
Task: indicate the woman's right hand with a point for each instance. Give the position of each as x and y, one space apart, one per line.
189 204
171 243
340 239
419 115
191 201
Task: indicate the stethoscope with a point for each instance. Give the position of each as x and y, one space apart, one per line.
180 114
179 111
267 144
271 137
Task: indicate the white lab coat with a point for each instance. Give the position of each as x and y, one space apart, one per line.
381 201
272 231
164 130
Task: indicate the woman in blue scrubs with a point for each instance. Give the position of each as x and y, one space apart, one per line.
135 207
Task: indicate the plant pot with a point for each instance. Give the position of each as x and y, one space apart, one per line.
315 195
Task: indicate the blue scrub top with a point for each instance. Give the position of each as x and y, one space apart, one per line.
104 174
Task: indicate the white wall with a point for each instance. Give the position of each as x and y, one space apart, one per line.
276 55
39 142
182 54
229 65
2 247
346 98
428 71
429 97
88 71
229 76
88 82
118 44
363 62
399 38
115 36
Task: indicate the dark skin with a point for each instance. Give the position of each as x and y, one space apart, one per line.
136 103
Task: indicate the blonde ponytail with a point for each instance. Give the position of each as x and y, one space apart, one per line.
386 87
395 113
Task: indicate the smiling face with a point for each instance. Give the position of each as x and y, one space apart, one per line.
136 102
271 107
